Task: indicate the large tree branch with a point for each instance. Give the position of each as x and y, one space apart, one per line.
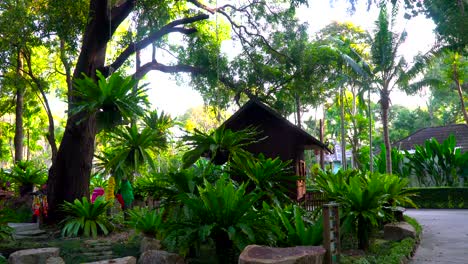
139 45
120 12
154 65
238 29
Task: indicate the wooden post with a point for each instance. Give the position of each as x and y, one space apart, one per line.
331 233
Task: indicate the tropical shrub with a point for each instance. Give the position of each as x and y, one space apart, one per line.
298 229
167 186
97 181
86 218
400 163
26 175
273 177
362 197
219 145
437 164
396 191
113 100
223 214
147 221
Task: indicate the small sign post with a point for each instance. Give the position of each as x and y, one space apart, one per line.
331 233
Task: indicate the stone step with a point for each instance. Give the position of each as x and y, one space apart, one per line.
116 260
35 238
98 254
36 232
21 227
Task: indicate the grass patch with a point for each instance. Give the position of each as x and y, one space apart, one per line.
127 248
388 252
414 223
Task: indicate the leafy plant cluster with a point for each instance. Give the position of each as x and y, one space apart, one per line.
23 176
432 164
230 206
364 198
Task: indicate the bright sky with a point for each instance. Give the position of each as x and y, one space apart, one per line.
175 99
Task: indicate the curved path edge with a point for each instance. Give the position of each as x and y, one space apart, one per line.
444 238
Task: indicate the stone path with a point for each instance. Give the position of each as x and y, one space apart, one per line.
444 238
28 231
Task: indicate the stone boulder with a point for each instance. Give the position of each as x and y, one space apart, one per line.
55 260
126 260
33 256
160 257
149 243
398 231
254 254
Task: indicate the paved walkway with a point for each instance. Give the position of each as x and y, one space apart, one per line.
444 238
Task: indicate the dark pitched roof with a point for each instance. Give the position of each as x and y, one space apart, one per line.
254 105
460 131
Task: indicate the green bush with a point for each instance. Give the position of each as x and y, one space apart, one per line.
437 164
271 176
146 221
85 218
27 175
441 197
362 197
299 230
220 145
222 213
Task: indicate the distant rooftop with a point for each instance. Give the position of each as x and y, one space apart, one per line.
441 133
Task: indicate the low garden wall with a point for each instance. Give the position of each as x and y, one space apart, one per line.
441 197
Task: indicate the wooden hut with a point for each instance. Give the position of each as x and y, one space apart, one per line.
283 139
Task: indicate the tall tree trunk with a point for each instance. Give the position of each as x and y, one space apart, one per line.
28 155
342 129
371 154
322 154
355 139
384 106
45 102
462 103
19 130
66 65
69 175
298 110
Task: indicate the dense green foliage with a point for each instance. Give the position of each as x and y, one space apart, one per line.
441 197
219 145
273 177
86 218
26 175
113 100
149 222
437 164
362 197
400 164
299 230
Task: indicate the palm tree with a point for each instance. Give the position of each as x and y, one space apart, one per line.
390 69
